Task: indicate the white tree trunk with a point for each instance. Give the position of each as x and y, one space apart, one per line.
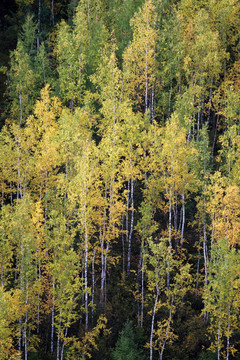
53 315
152 323
131 228
93 279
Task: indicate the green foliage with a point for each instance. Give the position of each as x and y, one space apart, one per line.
120 150
221 296
207 355
9 312
126 347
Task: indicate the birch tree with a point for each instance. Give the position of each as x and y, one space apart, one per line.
221 297
139 57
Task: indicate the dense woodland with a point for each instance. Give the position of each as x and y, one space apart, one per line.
120 179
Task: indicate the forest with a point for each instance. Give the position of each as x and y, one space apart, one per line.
119 179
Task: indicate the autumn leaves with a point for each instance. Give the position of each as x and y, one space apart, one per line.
119 170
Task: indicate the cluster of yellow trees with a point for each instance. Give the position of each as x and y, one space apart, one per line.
120 158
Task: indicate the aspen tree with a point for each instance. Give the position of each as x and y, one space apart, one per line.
228 155
7 165
21 160
200 34
84 193
224 15
64 271
171 177
221 297
85 346
108 82
177 177
146 226
23 236
112 209
71 51
204 55
223 207
79 157
41 131
123 169
159 260
134 141
119 16
6 246
139 57
202 168
9 313
169 57
21 87
42 66
74 131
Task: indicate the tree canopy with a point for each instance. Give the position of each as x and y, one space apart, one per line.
119 179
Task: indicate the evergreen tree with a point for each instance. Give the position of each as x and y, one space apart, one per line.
126 347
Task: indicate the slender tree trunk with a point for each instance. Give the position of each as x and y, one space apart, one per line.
25 181
82 299
21 108
215 137
25 325
183 217
3 191
212 235
93 280
58 337
175 213
86 262
167 331
205 255
19 184
88 15
218 339
198 265
53 315
152 324
169 100
105 274
11 195
139 286
170 219
39 24
131 228
38 306
66 178
198 123
102 271
20 336
2 272
152 102
46 200
63 344
210 101
205 252
146 74
127 222
142 286
102 248
123 247
52 12
228 336
170 238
